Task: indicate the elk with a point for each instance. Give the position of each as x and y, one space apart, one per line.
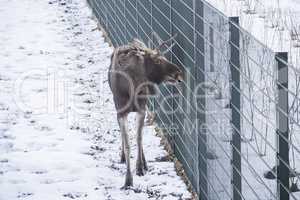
134 72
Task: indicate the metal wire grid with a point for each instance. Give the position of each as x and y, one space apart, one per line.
127 19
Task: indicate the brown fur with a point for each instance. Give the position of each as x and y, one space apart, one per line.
134 73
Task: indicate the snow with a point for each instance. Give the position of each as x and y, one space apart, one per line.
59 138
275 24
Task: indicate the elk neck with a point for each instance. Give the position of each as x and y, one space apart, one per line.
154 73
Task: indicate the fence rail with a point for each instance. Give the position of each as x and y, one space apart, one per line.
234 122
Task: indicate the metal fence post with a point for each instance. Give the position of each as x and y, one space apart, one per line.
201 101
211 49
235 106
172 141
282 127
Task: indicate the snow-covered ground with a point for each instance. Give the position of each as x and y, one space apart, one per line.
276 23
58 133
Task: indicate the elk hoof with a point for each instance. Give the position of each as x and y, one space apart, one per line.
140 168
126 187
122 159
145 166
140 171
128 183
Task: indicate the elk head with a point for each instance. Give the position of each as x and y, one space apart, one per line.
158 68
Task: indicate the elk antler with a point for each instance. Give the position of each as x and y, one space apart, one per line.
164 43
156 50
168 49
157 38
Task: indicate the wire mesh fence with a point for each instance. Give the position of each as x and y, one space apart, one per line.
234 122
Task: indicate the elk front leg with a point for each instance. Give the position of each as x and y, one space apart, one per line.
141 165
125 141
123 160
144 162
122 148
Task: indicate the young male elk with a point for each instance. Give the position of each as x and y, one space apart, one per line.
133 74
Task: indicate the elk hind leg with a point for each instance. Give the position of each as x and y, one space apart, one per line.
141 165
123 160
125 141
